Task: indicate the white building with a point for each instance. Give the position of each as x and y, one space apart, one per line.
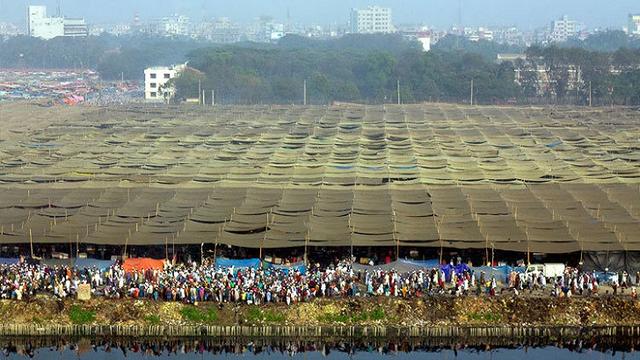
477 34
374 19
155 82
564 29
634 24
41 26
8 29
425 39
174 25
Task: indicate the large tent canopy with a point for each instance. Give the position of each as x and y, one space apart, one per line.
511 178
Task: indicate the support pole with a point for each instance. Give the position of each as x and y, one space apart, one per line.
304 92
590 95
493 248
395 236
471 98
31 243
306 249
213 97
398 90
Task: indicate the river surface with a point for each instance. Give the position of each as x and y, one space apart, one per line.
297 349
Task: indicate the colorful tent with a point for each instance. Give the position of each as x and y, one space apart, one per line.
141 264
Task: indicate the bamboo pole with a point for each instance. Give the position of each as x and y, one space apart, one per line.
306 246
395 236
166 248
31 243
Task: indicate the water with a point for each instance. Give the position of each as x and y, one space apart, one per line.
102 349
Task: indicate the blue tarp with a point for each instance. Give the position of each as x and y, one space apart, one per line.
554 144
431 264
501 273
238 264
93 263
9 261
286 268
448 269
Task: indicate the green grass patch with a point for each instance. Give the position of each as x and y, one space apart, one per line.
485 316
256 314
194 314
81 316
152 319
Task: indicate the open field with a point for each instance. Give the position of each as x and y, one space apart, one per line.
513 178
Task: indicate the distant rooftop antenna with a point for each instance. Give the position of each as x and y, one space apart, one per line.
460 28
288 18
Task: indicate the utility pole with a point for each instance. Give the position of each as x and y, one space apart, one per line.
590 95
471 98
213 97
304 92
204 98
199 91
398 88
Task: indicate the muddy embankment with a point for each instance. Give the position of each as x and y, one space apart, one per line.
425 312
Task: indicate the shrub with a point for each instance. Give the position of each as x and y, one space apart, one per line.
152 319
193 314
80 316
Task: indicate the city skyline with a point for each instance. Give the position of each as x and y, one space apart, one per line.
437 13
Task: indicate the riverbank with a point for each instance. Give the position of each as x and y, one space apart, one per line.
44 312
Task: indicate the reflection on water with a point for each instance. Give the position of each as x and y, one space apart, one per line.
48 348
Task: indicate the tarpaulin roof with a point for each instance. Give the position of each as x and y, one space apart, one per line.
273 177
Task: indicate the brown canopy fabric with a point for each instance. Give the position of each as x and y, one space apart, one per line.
520 179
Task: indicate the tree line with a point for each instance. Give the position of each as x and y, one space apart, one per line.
553 75
371 75
357 68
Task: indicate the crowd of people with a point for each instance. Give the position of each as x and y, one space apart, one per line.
192 282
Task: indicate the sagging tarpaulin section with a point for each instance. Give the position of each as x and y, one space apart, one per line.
525 180
612 261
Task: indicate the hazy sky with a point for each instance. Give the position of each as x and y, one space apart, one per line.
527 14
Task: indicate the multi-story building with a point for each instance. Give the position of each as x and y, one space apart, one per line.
224 31
633 28
374 19
564 29
8 29
478 34
155 82
174 25
509 35
75 27
41 26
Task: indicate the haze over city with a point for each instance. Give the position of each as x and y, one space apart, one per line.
437 13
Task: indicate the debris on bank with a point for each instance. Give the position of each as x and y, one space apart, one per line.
428 311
